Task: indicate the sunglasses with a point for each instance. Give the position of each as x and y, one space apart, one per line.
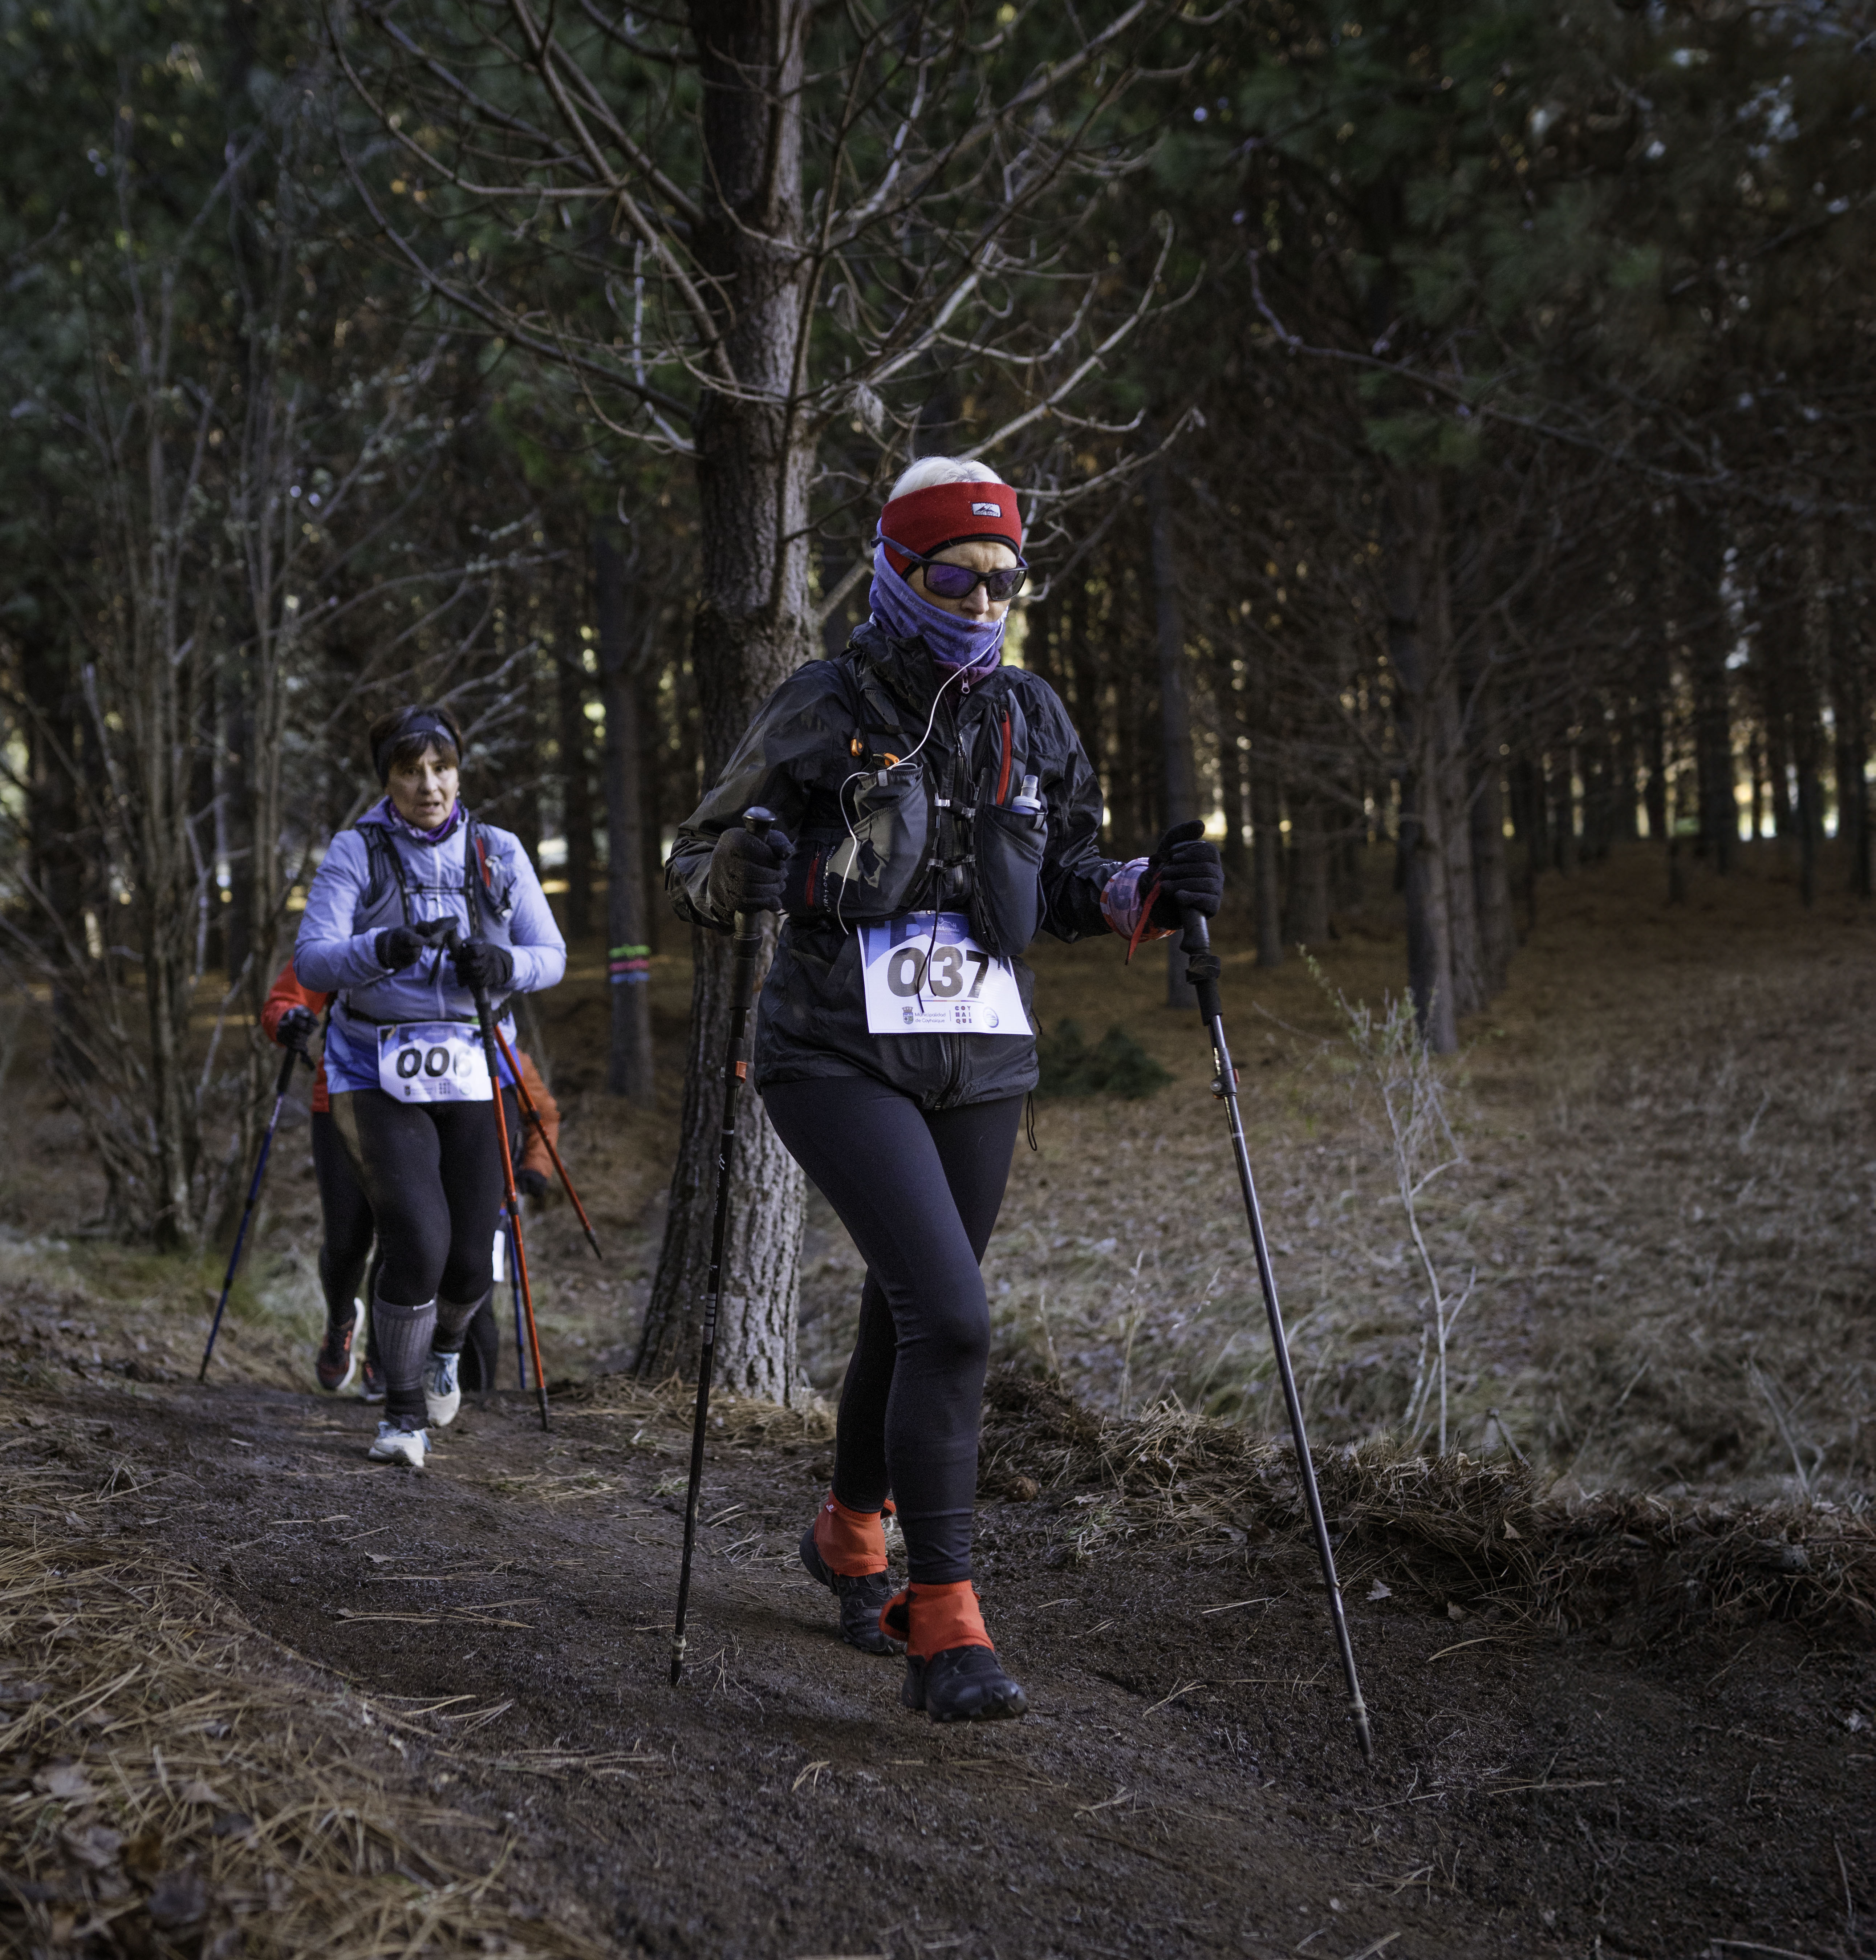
959 581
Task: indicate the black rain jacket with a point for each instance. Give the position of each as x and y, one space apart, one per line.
876 836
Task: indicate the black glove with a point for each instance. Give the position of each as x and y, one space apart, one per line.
531 1184
295 1028
399 947
1189 875
745 871
479 965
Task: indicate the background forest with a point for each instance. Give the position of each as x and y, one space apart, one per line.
1444 433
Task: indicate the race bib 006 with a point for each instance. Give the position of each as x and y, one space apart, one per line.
433 1062
927 975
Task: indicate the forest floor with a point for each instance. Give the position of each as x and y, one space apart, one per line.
259 1695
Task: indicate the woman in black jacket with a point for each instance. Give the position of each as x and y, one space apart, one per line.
934 811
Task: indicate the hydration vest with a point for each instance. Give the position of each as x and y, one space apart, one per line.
486 896
920 829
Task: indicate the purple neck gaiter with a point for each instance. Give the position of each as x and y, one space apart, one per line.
956 642
390 810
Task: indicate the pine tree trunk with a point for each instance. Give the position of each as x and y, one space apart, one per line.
1779 764
1708 634
1654 751
576 787
629 1069
651 776
1411 522
1306 915
56 859
1231 774
1562 813
1089 721
1178 777
1491 880
1850 712
1267 819
1527 806
752 626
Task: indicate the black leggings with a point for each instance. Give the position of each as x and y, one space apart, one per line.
345 1217
432 1176
919 1190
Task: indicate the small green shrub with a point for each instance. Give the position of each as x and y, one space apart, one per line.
1116 1065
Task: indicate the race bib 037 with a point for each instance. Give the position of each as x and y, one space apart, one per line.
433 1062
925 974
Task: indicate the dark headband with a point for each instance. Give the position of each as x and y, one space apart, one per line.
421 722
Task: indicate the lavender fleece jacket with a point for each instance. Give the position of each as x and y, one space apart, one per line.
330 957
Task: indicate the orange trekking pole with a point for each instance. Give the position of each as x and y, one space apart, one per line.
540 1130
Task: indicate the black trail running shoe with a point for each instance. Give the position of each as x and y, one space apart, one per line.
861 1598
951 1671
962 1685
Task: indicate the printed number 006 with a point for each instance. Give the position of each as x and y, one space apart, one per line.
432 1062
906 973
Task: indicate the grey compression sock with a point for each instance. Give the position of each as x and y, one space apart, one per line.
401 1338
452 1320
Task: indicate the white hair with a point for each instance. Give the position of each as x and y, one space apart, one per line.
930 469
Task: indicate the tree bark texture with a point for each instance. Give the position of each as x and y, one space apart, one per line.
1180 795
753 625
1266 833
651 800
1415 613
1231 774
1491 875
1850 713
1708 634
628 1069
576 787
1562 813
1306 915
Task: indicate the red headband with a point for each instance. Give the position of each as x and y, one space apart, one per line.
946 514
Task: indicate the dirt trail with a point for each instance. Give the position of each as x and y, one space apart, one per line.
1184 1784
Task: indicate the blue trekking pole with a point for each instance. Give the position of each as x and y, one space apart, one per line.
295 1053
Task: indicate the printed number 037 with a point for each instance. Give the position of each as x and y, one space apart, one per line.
906 973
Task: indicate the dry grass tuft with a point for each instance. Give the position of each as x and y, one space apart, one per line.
1474 1533
173 1786
745 1420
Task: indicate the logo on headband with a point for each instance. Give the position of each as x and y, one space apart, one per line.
986 510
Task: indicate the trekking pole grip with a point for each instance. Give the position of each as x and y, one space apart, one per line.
1202 964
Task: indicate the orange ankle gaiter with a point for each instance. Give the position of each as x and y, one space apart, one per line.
850 1543
943 1617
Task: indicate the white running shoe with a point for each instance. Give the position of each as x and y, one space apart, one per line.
396 1445
442 1396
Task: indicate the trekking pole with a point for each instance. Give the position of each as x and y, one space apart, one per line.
511 1199
540 1130
747 944
295 1053
1202 969
503 1273
514 1295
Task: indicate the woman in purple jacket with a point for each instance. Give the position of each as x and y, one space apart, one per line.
404 1061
